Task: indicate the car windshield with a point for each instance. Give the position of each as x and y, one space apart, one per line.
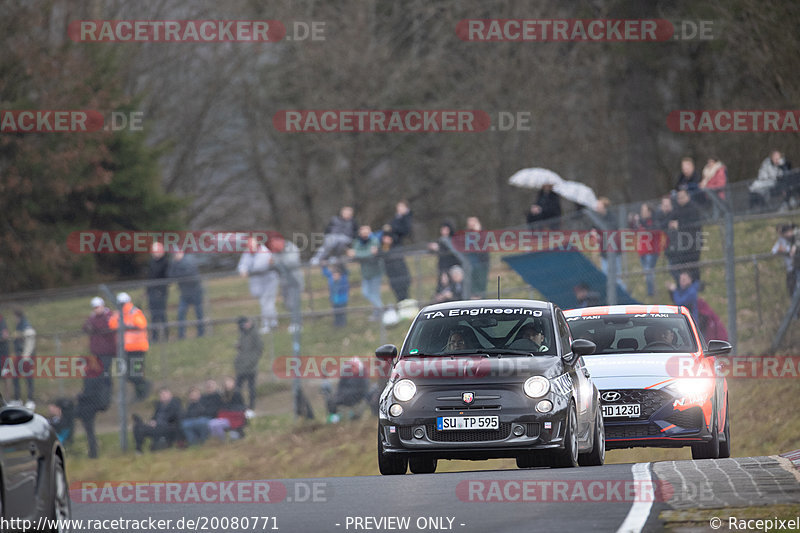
641 333
491 331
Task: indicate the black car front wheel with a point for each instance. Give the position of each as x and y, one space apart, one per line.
390 464
60 509
710 449
725 443
597 456
419 464
568 457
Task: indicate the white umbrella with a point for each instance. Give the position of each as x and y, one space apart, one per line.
577 192
534 178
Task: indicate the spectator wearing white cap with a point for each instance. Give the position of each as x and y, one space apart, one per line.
136 343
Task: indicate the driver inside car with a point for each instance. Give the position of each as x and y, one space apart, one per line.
530 337
659 335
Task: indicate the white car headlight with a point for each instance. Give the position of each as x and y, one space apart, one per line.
692 386
536 386
404 390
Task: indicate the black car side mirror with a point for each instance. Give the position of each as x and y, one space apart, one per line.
716 347
386 353
10 416
583 347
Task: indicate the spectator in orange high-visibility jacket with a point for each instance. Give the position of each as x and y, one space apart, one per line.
136 344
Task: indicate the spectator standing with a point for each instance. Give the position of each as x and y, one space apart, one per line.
163 428
95 397
256 264
102 339
157 290
365 251
715 177
648 244
688 179
286 259
546 208
339 293
25 352
685 293
395 265
249 350
444 248
479 263
402 223
339 234
686 235
184 269
136 343
610 228
784 246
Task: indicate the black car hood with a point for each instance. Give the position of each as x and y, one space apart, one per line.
477 369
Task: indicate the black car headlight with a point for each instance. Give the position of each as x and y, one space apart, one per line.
536 386
404 390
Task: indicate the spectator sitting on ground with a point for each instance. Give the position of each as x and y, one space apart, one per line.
196 417
351 389
163 428
231 415
765 186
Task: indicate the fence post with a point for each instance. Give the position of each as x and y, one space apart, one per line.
123 364
57 342
758 289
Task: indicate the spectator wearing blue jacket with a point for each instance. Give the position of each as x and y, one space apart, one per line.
686 293
339 287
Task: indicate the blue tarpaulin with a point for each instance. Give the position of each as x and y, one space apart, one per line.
555 275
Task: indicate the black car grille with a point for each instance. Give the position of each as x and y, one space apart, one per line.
632 432
468 409
649 400
532 429
405 432
690 418
469 435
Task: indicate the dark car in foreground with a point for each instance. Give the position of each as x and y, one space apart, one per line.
484 379
658 378
33 481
